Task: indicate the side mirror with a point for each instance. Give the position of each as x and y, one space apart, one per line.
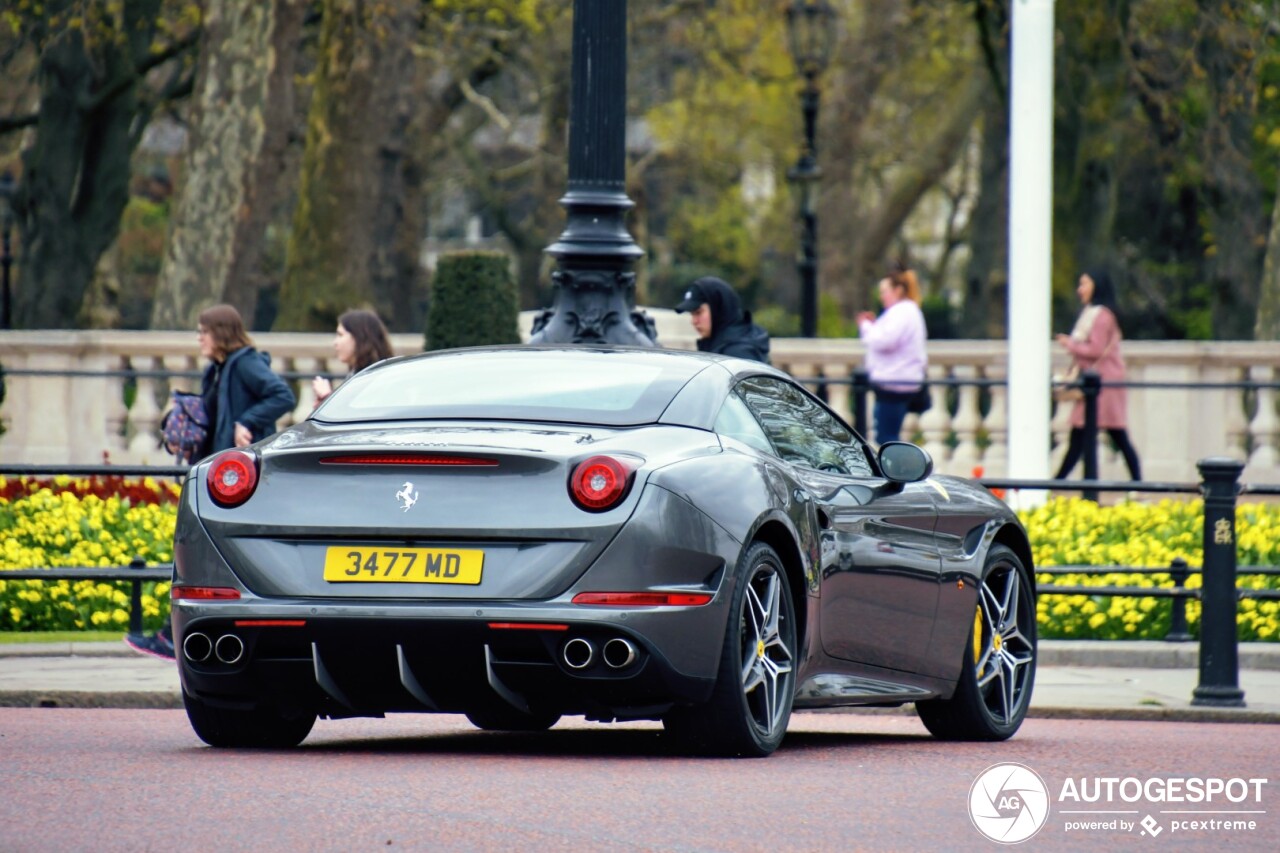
903 462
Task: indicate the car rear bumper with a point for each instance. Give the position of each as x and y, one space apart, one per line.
339 662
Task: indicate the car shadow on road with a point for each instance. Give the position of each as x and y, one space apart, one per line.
623 743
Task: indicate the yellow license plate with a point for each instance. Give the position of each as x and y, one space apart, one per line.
344 563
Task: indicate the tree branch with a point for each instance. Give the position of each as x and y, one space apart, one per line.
8 124
139 71
486 104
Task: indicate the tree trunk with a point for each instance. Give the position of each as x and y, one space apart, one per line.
1268 326
358 219
235 161
76 173
987 278
1232 197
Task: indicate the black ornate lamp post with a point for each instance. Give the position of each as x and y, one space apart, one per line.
7 188
596 256
810 35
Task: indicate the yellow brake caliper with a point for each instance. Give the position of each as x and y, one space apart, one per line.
977 636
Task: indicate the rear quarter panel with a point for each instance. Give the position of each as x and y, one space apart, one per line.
970 519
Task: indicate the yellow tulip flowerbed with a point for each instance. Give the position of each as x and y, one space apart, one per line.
106 521
82 522
1073 531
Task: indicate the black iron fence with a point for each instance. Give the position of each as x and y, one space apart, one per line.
1219 594
135 574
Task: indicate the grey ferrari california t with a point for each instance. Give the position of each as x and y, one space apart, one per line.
521 533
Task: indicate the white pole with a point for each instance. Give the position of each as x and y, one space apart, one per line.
1030 240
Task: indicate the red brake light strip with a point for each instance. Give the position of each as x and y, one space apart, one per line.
205 593
408 459
270 623
644 599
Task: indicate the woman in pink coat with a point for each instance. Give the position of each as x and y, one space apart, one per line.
1094 344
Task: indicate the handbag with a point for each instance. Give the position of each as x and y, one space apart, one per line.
185 426
921 401
1066 388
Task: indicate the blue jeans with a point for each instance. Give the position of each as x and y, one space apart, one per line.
888 415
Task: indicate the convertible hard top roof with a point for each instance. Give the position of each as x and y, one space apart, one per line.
611 386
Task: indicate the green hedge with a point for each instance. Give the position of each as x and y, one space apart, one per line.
474 302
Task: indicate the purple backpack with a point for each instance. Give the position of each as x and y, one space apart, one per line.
186 426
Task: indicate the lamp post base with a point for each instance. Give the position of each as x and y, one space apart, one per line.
1217 696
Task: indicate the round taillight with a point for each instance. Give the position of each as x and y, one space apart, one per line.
601 482
233 475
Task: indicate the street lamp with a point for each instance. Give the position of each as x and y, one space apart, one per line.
810 36
7 188
595 255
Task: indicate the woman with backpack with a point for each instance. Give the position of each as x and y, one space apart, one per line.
242 399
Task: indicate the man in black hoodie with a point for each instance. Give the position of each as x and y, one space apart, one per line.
721 323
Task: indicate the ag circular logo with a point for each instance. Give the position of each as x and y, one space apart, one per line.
1009 803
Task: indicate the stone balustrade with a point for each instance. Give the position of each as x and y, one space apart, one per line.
84 417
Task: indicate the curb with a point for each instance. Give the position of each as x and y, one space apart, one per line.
104 649
1149 654
130 699
1155 714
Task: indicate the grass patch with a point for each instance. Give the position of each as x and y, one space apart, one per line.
19 637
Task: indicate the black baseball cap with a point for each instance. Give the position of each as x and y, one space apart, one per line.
694 296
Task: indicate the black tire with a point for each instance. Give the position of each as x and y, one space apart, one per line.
504 718
999 667
264 727
750 706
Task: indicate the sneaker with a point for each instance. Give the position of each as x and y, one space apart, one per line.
157 645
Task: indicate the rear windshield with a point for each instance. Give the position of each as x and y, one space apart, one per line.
610 387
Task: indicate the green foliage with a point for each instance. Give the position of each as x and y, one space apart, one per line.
777 321
939 318
781 323
141 244
473 302
727 118
831 321
717 233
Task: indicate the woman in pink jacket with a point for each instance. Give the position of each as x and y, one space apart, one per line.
896 355
1094 344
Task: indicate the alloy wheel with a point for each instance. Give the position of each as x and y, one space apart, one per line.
1003 652
767 659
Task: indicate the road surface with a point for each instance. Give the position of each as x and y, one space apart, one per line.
132 780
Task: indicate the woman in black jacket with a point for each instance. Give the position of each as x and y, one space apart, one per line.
243 399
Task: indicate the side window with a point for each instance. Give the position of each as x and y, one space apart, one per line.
802 430
736 422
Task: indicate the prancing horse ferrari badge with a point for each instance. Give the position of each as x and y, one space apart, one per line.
408 496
